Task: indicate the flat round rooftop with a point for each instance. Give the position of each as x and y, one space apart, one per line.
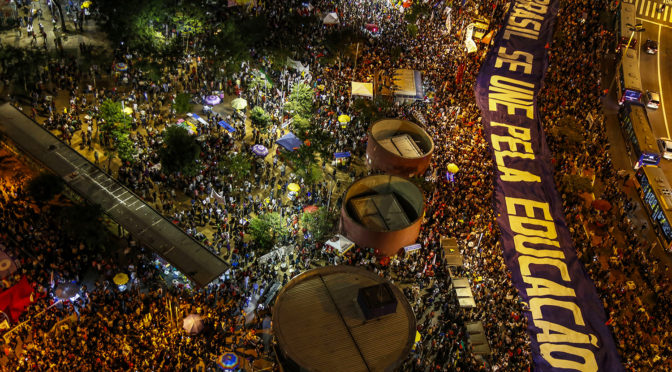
319 324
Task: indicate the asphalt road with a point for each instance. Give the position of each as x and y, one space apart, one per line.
656 75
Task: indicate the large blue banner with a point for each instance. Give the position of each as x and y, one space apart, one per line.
566 320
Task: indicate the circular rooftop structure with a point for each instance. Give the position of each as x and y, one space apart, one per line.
342 318
399 147
383 212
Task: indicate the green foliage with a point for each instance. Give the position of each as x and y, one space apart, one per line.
260 118
182 103
189 20
260 81
21 65
301 100
125 148
45 186
115 120
412 29
301 126
238 165
180 151
311 174
371 110
84 223
320 223
117 125
339 42
266 229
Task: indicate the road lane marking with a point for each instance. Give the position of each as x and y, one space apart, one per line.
653 22
641 7
648 5
660 86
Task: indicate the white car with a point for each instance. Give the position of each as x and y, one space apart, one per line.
652 100
665 146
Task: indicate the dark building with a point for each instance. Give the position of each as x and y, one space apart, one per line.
383 212
342 318
399 147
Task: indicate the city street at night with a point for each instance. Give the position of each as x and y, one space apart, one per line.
328 185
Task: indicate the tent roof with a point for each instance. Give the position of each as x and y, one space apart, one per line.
289 141
330 19
362 89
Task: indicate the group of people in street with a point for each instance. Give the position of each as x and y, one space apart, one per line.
139 328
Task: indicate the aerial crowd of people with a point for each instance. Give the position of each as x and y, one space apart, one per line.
138 328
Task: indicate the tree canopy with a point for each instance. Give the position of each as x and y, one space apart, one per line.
180 151
266 229
43 187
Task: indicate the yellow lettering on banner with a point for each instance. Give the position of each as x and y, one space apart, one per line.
514 60
500 155
514 131
511 93
537 302
511 142
529 206
520 12
529 5
517 175
520 240
524 22
545 287
526 261
543 228
589 363
508 33
562 334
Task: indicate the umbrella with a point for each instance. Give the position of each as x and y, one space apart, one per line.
192 324
239 103
310 208
120 279
384 261
87 117
121 66
372 27
343 119
228 361
293 187
226 126
128 110
66 290
259 150
86 4
452 168
213 100
602 205
289 141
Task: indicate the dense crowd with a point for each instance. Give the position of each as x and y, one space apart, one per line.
113 329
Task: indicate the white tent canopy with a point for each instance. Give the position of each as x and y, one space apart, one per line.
340 243
362 89
330 19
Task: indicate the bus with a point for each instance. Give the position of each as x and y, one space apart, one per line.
656 194
626 17
629 81
639 135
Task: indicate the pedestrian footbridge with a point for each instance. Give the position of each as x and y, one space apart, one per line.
146 225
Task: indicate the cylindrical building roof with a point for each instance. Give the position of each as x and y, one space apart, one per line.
399 147
320 325
383 212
